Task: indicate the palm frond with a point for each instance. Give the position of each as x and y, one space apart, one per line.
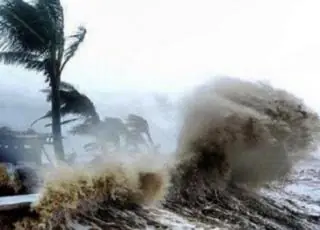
69 121
75 42
115 124
27 60
138 123
55 14
64 122
65 86
24 27
48 94
27 31
47 115
83 129
72 103
91 146
135 138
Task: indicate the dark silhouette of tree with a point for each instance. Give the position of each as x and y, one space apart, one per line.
32 36
72 103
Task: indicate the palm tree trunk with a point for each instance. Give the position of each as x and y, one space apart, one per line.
153 147
56 118
150 138
55 106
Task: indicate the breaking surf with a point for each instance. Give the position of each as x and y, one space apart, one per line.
239 141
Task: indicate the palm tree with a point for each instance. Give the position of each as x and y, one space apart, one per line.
72 102
108 130
112 128
75 103
139 125
134 139
32 35
105 131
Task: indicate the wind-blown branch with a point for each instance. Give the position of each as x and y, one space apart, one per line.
72 103
86 128
70 51
54 11
24 27
29 61
47 115
64 122
139 125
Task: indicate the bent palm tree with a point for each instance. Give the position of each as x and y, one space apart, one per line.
75 103
134 139
105 131
109 130
72 102
139 125
113 129
32 35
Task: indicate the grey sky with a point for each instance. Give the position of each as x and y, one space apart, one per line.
171 45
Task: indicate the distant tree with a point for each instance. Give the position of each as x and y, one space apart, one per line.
75 103
105 131
138 125
111 129
108 130
32 35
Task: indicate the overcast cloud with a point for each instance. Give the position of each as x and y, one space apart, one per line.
172 45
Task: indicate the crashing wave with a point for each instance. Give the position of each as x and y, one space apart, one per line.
237 137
